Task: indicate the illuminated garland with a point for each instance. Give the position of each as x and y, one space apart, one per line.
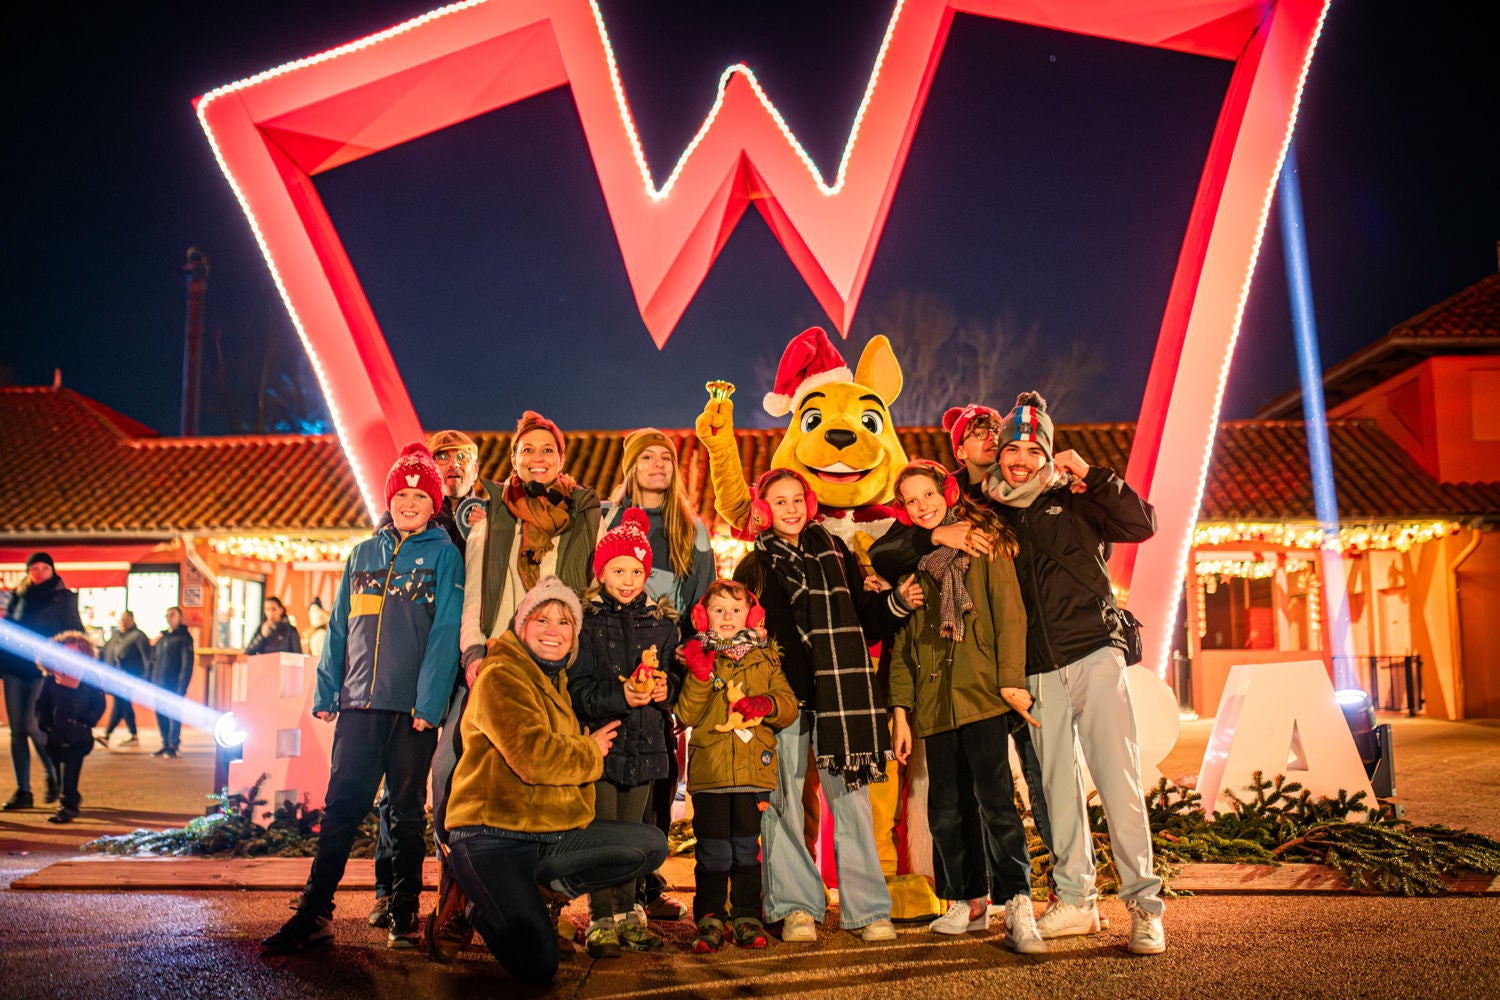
728 551
1248 569
1352 540
285 548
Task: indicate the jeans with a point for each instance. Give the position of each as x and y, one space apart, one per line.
123 711
500 875
627 805
21 694
444 760
971 809
792 881
175 681
1086 705
1031 770
659 814
369 745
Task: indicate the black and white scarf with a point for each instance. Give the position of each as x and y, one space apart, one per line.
947 566
852 739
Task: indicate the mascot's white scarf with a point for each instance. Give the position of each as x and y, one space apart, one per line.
1046 478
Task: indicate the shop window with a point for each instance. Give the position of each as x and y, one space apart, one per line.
237 611
1239 613
100 609
149 592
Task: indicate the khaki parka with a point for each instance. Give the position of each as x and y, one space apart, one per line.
944 685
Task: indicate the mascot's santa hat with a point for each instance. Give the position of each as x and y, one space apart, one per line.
809 361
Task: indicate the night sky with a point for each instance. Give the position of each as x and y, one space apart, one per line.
1047 190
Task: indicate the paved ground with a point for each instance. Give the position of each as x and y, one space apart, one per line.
119 945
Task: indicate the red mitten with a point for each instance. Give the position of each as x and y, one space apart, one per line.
700 662
756 706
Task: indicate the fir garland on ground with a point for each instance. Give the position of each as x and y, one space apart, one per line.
1281 821
232 831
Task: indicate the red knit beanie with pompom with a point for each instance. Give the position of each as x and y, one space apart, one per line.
628 538
415 470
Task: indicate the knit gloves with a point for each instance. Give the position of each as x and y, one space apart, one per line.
755 706
700 662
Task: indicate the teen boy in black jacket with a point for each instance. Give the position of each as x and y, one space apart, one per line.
1064 514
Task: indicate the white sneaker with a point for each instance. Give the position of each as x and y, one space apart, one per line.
1063 919
956 920
880 930
1146 934
1020 927
799 925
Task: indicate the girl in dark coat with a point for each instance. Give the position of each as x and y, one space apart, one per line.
626 671
42 605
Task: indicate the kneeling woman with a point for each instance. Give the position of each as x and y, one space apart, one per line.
521 811
958 680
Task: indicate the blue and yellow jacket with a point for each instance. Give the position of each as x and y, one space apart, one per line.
393 635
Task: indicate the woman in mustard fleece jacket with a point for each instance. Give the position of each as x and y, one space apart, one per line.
521 810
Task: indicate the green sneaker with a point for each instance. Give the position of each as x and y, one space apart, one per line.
602 942
748 932
639 937
710 936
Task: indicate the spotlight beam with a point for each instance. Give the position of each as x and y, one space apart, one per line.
60 659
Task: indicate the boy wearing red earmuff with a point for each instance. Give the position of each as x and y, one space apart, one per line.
735 698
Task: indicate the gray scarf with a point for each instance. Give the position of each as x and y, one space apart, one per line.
998 490
947 566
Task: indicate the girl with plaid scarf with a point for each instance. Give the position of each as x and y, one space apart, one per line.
958 681
820 614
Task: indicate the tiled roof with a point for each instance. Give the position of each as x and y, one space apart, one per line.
1466 323
69 466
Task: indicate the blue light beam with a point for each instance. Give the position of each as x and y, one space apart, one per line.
1314 415
64 660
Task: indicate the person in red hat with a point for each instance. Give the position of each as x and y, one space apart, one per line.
384 679
626 672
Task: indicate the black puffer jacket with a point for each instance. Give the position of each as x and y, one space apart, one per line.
609 647
1070 610
44 608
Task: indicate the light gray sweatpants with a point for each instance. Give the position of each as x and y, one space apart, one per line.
1085 706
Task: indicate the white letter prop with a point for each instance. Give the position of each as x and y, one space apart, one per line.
1270 714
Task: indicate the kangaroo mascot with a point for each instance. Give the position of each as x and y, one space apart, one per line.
842 440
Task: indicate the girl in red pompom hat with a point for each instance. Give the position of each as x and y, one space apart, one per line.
626 671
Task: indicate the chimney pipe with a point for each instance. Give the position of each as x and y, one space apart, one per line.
192 353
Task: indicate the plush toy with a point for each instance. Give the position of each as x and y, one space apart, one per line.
733 691
644 677
841 437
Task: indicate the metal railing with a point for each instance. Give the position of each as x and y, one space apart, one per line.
1394 683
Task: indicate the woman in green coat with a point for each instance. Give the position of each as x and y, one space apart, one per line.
958 681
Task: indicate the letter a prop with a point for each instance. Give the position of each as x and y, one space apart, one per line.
1266 709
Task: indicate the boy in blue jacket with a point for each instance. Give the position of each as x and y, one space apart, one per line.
387 670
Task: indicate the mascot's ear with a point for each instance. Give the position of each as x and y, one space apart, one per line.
879 370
